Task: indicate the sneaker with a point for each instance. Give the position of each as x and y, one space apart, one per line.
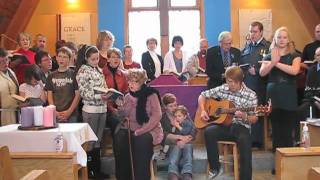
161 156
215 173
186 176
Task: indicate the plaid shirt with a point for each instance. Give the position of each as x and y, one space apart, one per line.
243 98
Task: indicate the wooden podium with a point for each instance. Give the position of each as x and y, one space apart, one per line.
294 163
200 79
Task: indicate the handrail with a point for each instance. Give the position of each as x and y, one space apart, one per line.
8 38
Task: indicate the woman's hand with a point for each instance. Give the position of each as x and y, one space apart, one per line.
275 55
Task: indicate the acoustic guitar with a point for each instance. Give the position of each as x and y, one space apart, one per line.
222 112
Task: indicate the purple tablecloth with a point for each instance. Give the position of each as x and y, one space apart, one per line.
186 95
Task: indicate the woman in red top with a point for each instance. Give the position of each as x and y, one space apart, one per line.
23 57
115 79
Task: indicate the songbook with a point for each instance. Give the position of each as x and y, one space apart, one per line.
112 93
310 62
28 101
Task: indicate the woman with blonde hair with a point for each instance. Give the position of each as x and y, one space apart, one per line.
105 41
282 66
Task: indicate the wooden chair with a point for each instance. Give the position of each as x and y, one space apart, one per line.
224 146
6 168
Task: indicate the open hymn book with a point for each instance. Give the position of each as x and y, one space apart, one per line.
114 94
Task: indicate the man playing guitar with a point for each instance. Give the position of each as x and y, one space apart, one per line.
239 131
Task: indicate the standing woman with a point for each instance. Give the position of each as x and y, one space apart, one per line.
151 61
8 85
142 109
115 79
105 41
23 57
282 66
94 110
176 60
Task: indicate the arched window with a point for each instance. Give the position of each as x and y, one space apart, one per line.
163 19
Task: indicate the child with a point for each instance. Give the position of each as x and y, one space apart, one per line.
62 87
182 150
94 110
33 86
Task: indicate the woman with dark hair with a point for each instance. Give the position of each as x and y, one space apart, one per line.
43 60
94 110
23 57
175 60
142 110
9 85
115 79
151 61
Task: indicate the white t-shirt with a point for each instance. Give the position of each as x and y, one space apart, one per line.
31 91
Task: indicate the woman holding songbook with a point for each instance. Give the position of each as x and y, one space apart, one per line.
94 110
282 66
140 130
115 79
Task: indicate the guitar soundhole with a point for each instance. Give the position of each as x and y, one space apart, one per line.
215 115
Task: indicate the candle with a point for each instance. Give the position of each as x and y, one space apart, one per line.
310 112
27 117
49 116
38 115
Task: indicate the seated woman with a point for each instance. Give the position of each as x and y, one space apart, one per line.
9 85
141 108
176 60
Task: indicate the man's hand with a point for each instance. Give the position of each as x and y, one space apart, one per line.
204 115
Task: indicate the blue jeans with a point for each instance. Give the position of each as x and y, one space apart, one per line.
181 156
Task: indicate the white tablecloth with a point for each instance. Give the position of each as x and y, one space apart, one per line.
75 134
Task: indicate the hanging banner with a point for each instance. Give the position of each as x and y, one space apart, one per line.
76 28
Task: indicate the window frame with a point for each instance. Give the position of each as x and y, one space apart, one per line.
163 6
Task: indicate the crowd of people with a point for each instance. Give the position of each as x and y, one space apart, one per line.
262 70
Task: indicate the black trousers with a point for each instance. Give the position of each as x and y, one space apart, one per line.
142 151
282 123
237 133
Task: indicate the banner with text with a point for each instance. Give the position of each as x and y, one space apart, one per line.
76 28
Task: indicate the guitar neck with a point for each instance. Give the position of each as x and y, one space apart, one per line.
233 110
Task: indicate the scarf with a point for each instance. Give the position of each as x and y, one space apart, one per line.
142 95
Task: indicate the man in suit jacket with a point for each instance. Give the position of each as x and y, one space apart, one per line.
256 47
219 58
151 61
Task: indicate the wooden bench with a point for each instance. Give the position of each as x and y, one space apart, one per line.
294 163
7 172
60 165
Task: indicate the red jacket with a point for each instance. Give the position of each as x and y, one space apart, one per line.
121 80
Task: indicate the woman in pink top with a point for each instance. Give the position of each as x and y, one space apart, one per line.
142 109
23 57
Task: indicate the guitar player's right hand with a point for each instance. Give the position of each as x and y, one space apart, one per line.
204 115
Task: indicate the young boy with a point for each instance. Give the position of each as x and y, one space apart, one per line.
62 87
182 151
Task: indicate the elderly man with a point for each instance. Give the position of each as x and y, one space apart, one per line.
40 43
219 58
253 52
197 62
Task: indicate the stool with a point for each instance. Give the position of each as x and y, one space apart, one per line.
224 146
